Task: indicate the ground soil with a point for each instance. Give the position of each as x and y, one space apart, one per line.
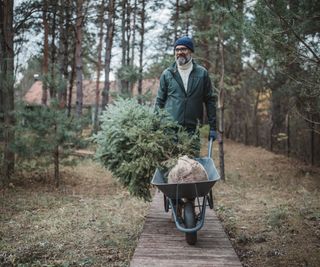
268 204
89 221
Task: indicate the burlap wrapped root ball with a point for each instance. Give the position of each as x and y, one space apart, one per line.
187 171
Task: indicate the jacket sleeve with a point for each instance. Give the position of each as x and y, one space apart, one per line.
210 102
162 92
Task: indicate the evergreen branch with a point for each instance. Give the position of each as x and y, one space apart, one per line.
293 31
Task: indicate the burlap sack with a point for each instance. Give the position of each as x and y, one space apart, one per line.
187 171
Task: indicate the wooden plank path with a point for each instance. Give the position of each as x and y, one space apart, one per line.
162 244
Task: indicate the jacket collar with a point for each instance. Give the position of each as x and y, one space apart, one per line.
174 68
175 73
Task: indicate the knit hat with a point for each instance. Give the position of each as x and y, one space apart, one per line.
186 41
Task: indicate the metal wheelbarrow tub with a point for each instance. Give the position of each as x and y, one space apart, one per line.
185 195
188 190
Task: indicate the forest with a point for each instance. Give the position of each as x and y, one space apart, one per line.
263 57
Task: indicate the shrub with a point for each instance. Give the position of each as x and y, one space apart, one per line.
41 132
134 141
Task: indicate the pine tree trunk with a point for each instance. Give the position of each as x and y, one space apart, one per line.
71 81
56 162
45 67
176 20
312 141
128 33
63 49
97 90
133 42
7 87
2 53
124 44
221 105
187 20
141 50
256 120
53 89
79 24
288 148
109 42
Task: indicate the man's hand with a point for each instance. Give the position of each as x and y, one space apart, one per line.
212 134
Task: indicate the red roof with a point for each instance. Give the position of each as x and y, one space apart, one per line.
34 94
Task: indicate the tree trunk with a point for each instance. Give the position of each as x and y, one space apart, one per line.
45 66
240 13
288 148
176 20
221 104
124 44
271 129
79 25
63 50
53 84
56 162
141 50
71 81
312 141
133 42
97 90
187 21
256 119
109 42
128 33
2 67
7 87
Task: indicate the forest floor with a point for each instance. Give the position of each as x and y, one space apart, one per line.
269 206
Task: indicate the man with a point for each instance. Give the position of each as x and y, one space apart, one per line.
184 87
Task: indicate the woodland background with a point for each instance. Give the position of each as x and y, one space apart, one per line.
263 57
59 209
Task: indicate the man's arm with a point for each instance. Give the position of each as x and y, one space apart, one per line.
210 102
162 92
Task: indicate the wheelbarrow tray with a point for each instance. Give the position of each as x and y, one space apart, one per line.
188 190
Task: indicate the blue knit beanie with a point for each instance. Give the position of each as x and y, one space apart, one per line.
186 41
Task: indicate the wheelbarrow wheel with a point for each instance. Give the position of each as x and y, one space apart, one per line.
166 203
210 199
190 222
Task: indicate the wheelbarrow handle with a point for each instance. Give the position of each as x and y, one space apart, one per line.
210 147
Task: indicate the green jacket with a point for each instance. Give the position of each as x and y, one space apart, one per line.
187 107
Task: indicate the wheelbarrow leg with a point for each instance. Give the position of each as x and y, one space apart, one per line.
177 208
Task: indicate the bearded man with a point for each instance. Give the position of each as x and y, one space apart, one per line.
185 87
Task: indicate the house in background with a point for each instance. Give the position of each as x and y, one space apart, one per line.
34 94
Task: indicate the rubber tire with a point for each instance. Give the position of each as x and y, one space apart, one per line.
166 203
190 222
210 199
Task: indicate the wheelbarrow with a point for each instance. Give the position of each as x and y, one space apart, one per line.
188 201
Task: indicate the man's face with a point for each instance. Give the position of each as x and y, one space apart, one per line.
182 54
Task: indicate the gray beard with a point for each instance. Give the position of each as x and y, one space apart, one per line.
183 60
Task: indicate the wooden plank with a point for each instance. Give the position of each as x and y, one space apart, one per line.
162 244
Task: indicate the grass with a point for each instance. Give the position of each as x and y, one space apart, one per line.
268 205
89 221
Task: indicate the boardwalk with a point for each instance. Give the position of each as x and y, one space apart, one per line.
161 244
